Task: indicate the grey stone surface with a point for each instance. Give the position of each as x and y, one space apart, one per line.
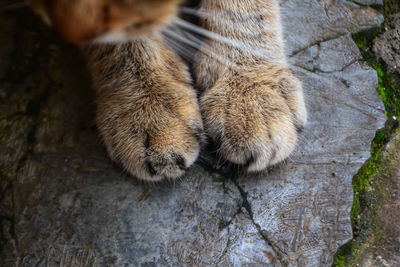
64 203
310 22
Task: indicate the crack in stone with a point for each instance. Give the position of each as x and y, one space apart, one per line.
316 69
319 42
30 144
264 234
33 108
228 242
231 176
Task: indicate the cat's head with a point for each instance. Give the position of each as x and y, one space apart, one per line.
82 21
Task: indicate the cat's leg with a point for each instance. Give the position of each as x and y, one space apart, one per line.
147 111
252 104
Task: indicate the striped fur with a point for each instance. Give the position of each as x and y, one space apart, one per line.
148 113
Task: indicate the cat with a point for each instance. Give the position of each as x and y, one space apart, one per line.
148 112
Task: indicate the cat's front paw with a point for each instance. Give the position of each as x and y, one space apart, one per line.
255 116
152 135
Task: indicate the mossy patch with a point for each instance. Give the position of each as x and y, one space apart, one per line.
370 193
370 190
389 83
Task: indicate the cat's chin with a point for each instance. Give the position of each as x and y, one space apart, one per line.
112 38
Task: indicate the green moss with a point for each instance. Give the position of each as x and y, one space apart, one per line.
389 84
365 193
339 261
369 195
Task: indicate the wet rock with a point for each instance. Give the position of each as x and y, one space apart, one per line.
65 203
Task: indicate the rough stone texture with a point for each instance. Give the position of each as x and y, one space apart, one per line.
383 247
387 46
64 203
311 22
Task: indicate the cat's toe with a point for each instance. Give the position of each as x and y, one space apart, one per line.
261 148
165 154
256 140
168 165
255 120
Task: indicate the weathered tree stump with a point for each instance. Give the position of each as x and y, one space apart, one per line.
64 203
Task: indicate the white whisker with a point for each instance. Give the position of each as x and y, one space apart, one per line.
260 53
182 50
218 13
198 44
